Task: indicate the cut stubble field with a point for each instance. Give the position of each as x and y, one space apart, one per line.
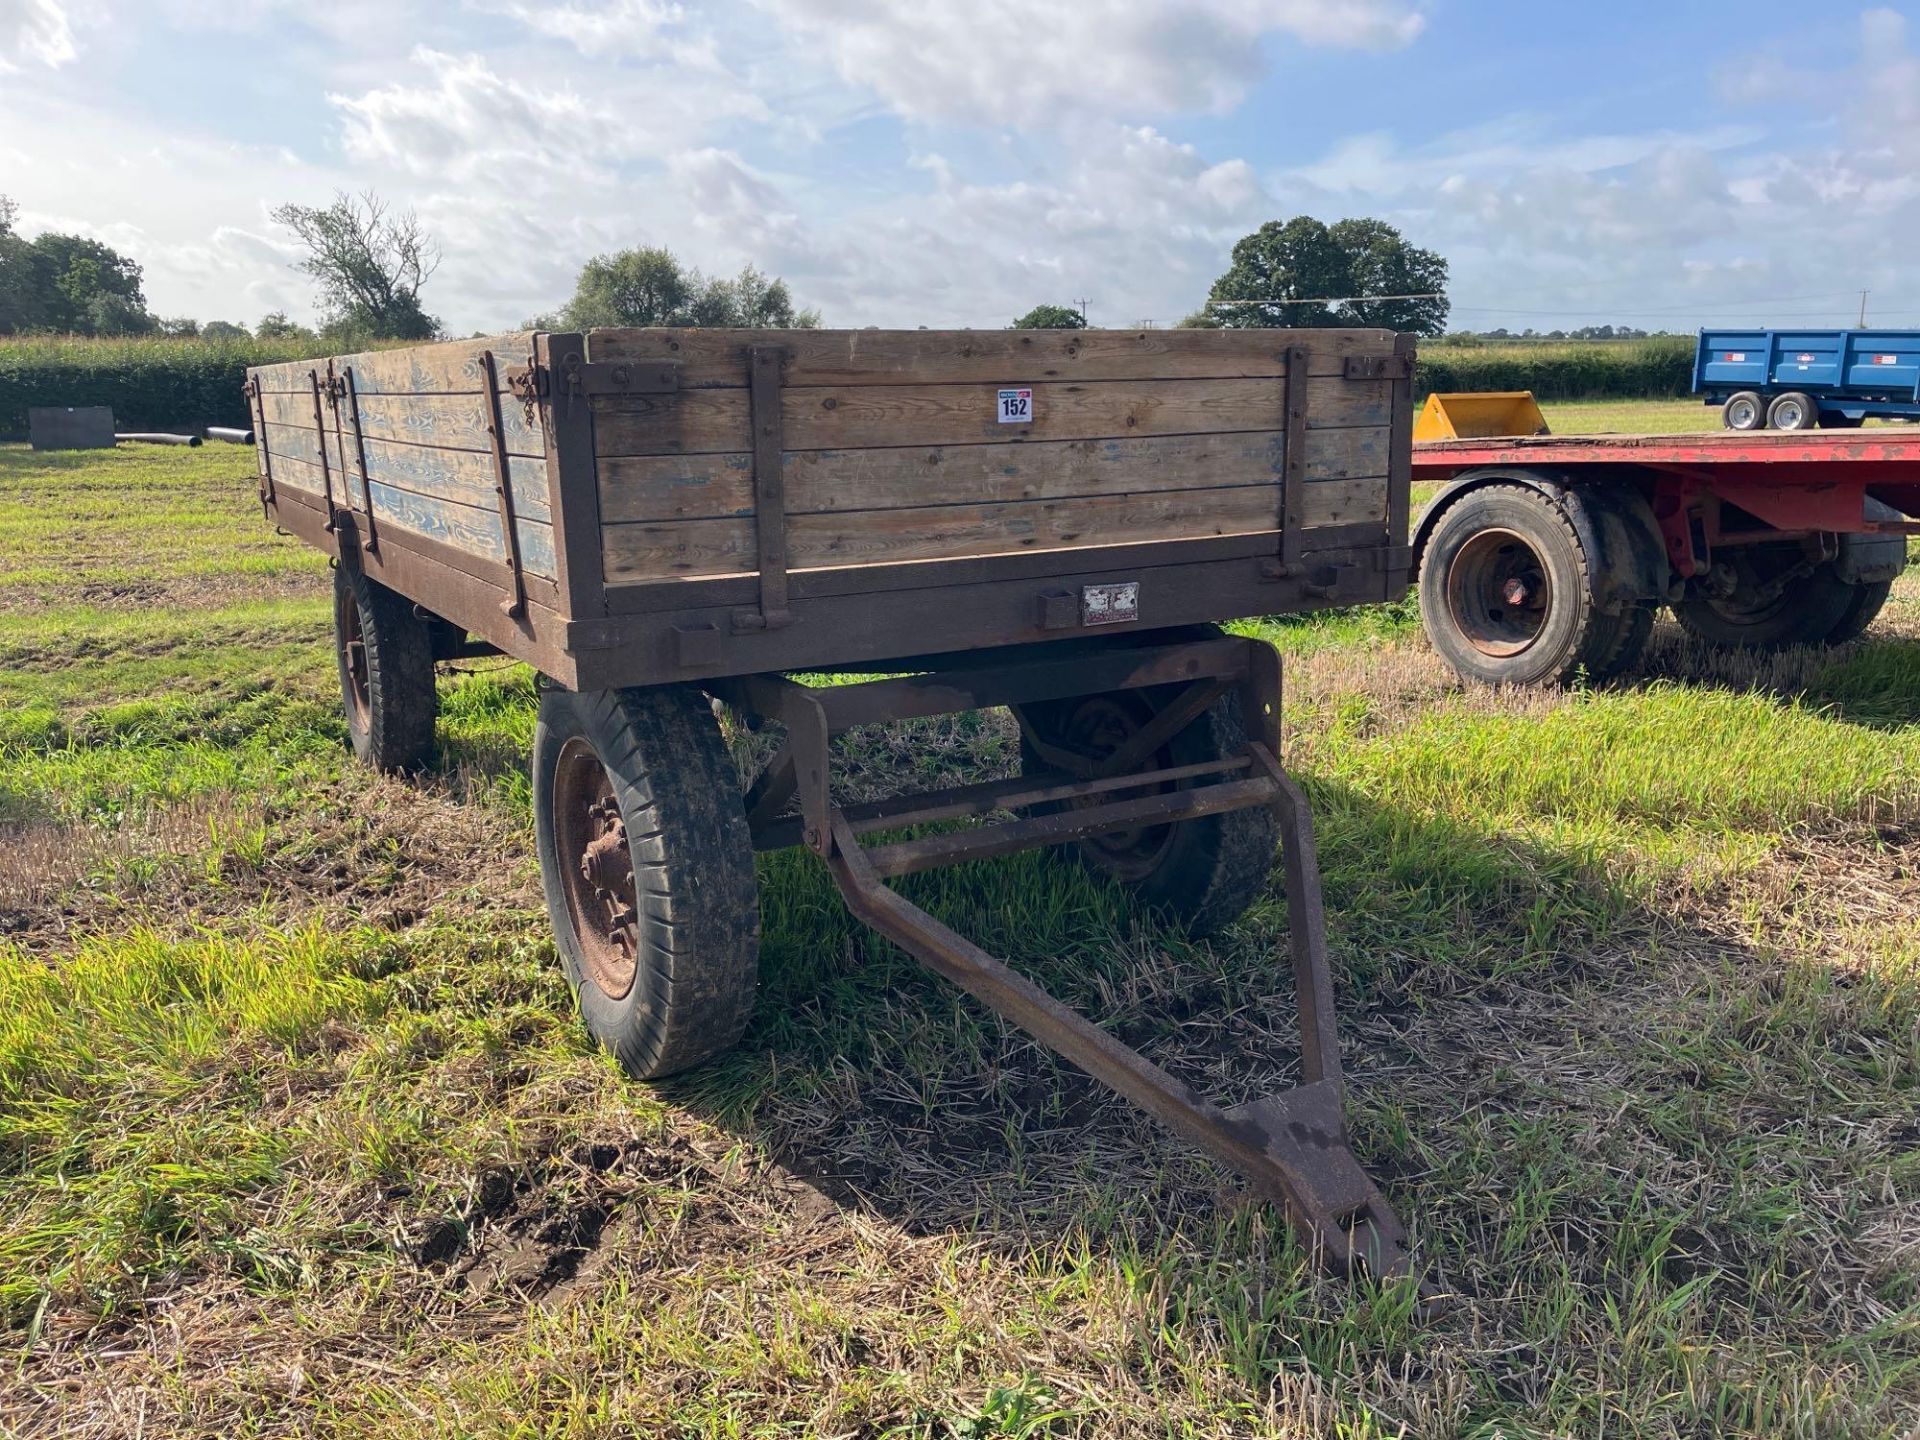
298 1135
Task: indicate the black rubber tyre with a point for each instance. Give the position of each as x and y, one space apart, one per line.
1633 629
648 871
385 654
1834 420
1807 612
1744 410
1492 545
1869 597
1795 410
1203 873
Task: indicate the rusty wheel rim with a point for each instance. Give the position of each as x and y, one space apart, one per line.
1098 727
1498 593
596 868
353 643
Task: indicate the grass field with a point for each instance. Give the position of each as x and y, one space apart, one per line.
298 1137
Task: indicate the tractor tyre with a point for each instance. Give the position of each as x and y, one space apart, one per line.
1744 410
647 866
384 648
1506 593
1202 872
1794 410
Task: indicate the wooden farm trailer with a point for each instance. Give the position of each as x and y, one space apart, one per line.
1052 521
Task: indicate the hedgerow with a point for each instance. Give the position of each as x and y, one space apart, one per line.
1636 370
148 384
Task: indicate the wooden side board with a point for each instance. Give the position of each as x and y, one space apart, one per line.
718 358
452 368
704 487
690 548
901 472
463 475
839 417
474 529
452 422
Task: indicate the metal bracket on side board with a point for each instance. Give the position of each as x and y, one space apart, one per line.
1293 475
764 366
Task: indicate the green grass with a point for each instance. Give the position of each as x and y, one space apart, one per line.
298 1134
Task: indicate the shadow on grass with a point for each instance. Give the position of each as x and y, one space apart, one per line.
1600 1121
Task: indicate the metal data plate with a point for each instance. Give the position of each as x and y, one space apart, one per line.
1110 604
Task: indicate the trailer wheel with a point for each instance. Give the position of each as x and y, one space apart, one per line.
1868 599
1203 872
385 653
648 871
1744 410
1506 593
1794 410
1806 611
1632 635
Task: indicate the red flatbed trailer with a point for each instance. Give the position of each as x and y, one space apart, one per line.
1543 557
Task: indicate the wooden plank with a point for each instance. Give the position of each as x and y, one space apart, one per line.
718 358
689 487
642 551
846 418
471 528
463 475
452 368
572 488
452 422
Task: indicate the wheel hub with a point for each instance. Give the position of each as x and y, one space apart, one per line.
590 836
1498 593
1099 726
353 643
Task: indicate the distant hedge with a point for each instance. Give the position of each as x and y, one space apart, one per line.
1574 370
148 384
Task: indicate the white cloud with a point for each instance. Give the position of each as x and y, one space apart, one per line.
466 121
1014 62
612 27
37 32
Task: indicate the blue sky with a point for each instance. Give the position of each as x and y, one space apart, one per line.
951 164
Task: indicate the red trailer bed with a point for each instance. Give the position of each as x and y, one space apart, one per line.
1545 556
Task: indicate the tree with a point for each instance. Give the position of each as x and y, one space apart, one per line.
66 283
275 325
181 327
649 286
73 277
1051 317
224 330
117 315
19 297
370 264
1297 274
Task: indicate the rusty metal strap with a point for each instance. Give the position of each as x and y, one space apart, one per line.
516 603
352 398
257 408
769 489
1293 480
320 440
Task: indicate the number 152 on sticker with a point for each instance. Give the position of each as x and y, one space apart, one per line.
1015 407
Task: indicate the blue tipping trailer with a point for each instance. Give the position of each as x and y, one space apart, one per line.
1797 379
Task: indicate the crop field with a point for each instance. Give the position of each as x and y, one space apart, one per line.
298 1135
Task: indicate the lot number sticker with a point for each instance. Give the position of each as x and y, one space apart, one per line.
1015 407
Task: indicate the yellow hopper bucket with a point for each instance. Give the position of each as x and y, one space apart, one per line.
1477 416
